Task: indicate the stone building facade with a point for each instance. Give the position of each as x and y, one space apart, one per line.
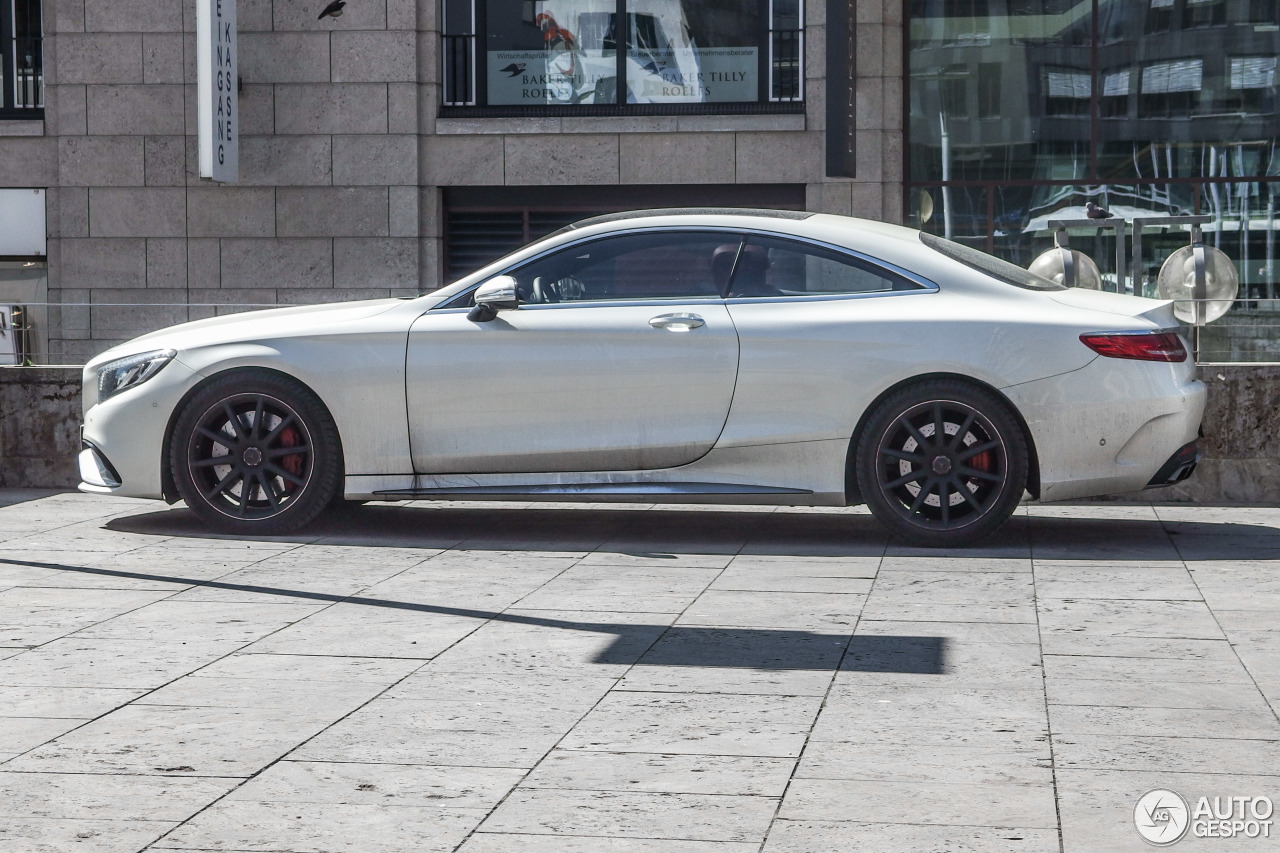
350 167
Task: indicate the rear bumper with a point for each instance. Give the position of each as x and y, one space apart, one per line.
1110 427
1179 466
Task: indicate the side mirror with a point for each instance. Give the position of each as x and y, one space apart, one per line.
496 294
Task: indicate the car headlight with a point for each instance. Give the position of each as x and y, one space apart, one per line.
115 376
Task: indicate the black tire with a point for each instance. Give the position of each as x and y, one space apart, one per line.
948 493
256 453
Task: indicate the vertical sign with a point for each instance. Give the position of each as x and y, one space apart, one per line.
841 94
219 126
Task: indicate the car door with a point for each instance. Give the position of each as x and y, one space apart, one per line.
620 356
818 328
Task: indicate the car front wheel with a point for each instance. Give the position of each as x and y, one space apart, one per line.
255 452
942 463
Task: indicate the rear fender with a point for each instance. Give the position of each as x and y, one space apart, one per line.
854 496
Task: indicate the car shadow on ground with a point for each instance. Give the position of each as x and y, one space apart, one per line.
659 533
508 527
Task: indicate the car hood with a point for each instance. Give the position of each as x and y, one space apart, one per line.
1156 311
254 325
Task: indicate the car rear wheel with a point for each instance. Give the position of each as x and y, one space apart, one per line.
256 453
942 463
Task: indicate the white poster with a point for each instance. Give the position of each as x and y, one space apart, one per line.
673 75
699 75
22 222
545 77
219 126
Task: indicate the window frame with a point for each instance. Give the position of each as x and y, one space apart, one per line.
464 67
13 107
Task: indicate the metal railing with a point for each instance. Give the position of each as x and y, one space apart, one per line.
1249 333
28 82
21 75
786 65
71 333
459 57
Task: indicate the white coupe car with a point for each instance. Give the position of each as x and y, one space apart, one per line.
709 356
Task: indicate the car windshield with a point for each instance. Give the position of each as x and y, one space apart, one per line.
989 264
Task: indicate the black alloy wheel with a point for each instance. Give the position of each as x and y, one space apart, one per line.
255 452
942 463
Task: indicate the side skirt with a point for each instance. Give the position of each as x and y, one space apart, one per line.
590 491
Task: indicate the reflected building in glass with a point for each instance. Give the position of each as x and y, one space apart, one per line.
1022 111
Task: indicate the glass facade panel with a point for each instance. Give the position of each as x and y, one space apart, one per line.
1146 109
958 213
1026 63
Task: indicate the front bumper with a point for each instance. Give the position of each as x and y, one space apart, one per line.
97 474
123 437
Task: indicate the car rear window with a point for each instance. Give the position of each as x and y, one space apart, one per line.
992 266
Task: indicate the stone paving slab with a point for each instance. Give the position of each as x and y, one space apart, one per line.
494 678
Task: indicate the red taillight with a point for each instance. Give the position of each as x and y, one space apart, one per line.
1156 346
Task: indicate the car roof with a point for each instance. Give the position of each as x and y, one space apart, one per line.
689 211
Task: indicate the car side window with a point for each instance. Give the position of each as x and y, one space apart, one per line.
773 267
661 265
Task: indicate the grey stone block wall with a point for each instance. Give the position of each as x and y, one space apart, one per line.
328 200
343 158
39 426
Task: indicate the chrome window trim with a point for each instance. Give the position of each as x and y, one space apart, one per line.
710 299
924 284
827 297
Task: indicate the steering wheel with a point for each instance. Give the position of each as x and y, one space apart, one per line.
544 291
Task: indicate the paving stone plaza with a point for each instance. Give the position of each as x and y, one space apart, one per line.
629 679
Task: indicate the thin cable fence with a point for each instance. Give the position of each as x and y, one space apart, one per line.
71 333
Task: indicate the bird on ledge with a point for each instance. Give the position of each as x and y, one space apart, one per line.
1092 211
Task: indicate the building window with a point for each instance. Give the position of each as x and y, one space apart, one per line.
1263 12
1115 94
1171 88
1159 16
620 56
1067 91
1204 13
1252 82
989 74
21 59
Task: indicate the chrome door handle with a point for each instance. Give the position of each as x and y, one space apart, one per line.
677 322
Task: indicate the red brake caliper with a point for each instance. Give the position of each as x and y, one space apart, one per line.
982 462
292 463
